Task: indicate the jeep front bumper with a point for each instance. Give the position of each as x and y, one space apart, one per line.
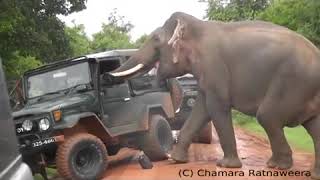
33 143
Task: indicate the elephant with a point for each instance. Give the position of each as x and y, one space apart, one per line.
256 67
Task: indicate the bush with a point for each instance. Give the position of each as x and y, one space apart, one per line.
302 16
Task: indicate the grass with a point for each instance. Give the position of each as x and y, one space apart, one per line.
51 173
297 137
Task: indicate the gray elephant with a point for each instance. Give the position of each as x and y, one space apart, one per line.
255 67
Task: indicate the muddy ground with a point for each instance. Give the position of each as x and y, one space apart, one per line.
253 151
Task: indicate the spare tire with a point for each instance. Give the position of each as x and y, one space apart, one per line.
158 140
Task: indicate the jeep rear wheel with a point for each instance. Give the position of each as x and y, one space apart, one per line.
205 135
158 140
81 156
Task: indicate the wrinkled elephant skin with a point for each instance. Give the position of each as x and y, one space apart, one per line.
255 67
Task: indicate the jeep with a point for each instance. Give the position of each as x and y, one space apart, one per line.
11 165
73 115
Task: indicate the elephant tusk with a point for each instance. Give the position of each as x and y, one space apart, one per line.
176 34
170 42
128 72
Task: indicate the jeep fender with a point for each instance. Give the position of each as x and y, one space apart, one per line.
70 121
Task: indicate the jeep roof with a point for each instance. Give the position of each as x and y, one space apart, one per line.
96 56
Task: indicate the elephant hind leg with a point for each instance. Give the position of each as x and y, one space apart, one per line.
283 106
313 126
281 153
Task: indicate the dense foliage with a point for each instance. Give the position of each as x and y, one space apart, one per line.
302 16
31 31
79 41
114 34
235 10
31 34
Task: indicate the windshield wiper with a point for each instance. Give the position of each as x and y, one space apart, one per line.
71 89
46 94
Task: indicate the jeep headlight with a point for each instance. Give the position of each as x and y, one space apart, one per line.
191 102
27 125
44 124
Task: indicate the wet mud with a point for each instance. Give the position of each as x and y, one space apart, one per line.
253 151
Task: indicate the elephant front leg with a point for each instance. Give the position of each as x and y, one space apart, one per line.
197 120
220 114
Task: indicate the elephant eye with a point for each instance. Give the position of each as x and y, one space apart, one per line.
156 38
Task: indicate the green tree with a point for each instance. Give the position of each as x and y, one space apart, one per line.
235 10
79 41
33 29
114 34
19 64
302 16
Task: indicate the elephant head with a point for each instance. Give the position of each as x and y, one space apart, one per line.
164 45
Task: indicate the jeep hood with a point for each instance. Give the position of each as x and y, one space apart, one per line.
54 104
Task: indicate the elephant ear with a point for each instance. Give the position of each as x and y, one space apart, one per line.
177 33
176 39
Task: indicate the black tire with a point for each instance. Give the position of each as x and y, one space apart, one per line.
205 135
81 156
158 140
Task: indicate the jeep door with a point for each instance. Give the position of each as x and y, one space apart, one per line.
116 101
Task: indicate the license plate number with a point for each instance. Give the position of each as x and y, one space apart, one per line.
43 142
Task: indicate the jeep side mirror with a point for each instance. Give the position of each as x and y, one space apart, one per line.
110 80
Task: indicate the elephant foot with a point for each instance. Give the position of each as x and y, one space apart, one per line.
285 162
228 162
315 174
179 155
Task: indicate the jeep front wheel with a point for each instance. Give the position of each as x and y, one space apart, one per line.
81 156
158 140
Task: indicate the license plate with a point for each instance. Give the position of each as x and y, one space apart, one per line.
43 142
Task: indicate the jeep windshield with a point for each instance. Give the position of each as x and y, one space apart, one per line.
58 80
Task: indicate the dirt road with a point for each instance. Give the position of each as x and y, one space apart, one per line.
253 151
